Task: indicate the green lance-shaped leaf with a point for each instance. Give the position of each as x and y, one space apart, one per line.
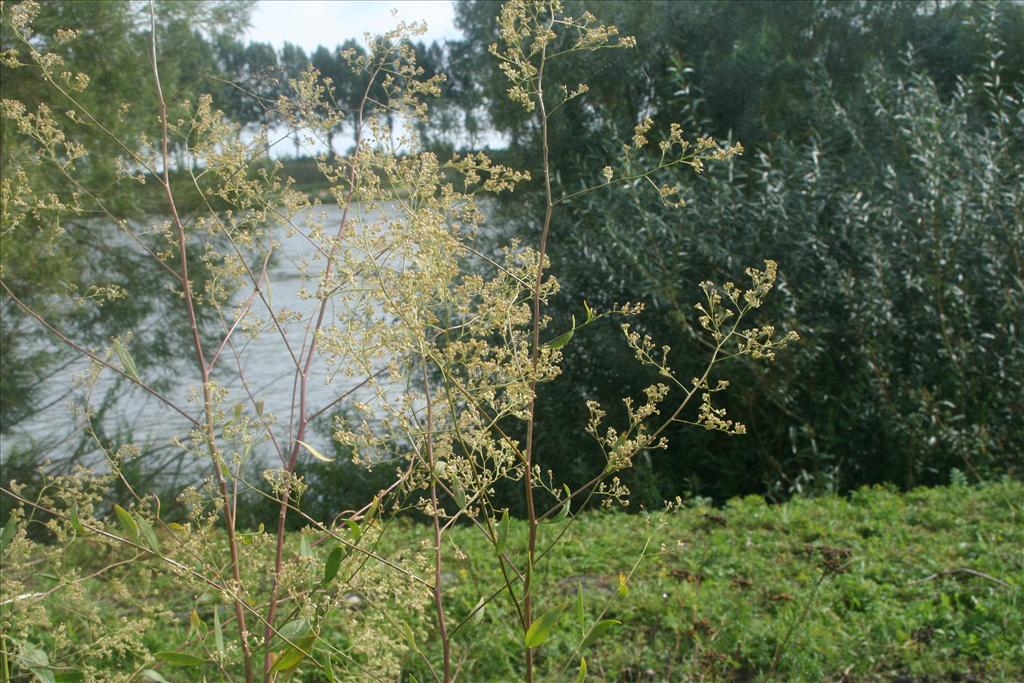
478 611
563 512
580 615
146 534
127 362
329 669
292 632
76 520
582 675
304 548
196 623
315 453
598 630
541 628
374 507
563 339
623 588
354 530
218 632
294 655
179 658
503 528
7 535
410 637
332 565
459 494
151 675
128 523
440 467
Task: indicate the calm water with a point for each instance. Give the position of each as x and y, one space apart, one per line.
267 366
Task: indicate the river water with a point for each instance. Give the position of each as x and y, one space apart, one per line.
267 365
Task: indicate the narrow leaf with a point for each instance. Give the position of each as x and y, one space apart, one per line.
131 529
563 514
580 615
294 655
76 521
355 530
478 611
598 630
218 633
7 535
541 628
195 623
503 527
292 632
561 340
151 675
374 506
459 494
410 637
146 534
304 549
179 658
440 467
332 565
329 669
581 676
127 362
315 453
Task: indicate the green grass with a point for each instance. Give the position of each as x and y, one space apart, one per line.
875 586
729 594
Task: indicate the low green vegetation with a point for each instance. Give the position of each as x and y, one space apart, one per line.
876 586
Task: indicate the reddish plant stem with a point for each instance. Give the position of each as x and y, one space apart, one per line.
442 625
303 418
531 511
204 370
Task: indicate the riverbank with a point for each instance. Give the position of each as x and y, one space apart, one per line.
875 586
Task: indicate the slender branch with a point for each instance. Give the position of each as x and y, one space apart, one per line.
92 356
442 625
229 517
531 511
303 377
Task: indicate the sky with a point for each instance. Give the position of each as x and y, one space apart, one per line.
309 23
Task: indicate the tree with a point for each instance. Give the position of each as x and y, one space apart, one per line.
774 76
39 267
293 62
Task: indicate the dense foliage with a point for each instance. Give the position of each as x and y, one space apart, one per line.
882 170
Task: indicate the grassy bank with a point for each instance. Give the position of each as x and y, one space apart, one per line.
876 586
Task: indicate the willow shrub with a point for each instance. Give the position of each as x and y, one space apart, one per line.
444 361
899 215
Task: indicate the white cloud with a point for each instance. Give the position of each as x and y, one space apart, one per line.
309 23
